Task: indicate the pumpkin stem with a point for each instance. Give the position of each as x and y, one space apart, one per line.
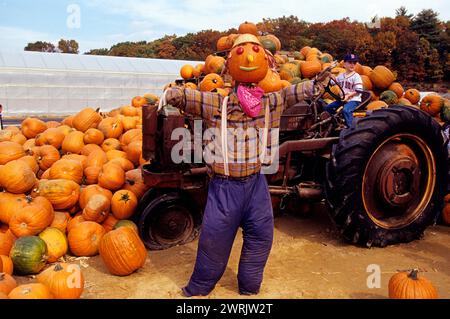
29 198
125 197
2 276
58 267
97 110
413 274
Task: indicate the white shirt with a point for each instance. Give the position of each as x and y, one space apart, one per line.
350 83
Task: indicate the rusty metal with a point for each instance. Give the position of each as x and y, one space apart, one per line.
303 190
176 225
297 118
398 181
306 145
149 126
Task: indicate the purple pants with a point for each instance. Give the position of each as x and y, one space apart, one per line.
232 204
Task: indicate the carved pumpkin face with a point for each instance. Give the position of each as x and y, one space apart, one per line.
248 63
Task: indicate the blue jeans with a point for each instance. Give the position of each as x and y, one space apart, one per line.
232 204
349 107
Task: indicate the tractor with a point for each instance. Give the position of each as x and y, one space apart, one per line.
383 179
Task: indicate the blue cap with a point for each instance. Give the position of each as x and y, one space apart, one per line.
350 57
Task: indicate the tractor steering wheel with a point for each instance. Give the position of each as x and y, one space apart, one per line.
341 95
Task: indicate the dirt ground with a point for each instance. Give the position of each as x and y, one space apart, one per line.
308 260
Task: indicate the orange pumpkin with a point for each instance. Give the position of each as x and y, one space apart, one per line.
7 240
9 205
134 182
134 151
123 204
65 129
247 61
97 208
5 135
32 127
46 156
109 222
19 138
432 104
10 151
51 136
408 285
68 121
214 64
130 136
210 82
31 291
88 191
7 283
381 77
138 101
248 27
91 175
128 110
111 176
375 105
129 122
65 281
271 82
125 163
61 221
223 44
78 218
412 95
36 215
67 169
111 144
186 71
82 159
6 265
397 88
87 118
56 242
367 84
122 251
31 162
111 127
84 238
310 68
52 124
73 143
17 177
93 136
97 158
89 148
62 193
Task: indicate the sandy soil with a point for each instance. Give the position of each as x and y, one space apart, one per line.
308 260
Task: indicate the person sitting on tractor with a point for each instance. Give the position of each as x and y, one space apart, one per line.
238 194
350 82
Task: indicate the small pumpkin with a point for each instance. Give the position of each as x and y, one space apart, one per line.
89 191
97 208
32 127
111 176
87 118
51 136
186 71
138 101
91 175
111 127
56 243
97 158
214 64
432 104
46 156
126 164
73 143
84 238
31 291
67 169
17 177
210 82
375 105
75 221
65 281
52 124
390 97
7 283
122 251
19 138
134 151
123 204
271 82
310 68
93 136
397 88
29 255
89 148
31 162
6 265
9 205
248 27
110 144
408 285
412 95
109 223
62 193
35 215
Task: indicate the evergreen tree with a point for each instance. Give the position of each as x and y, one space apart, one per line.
427 25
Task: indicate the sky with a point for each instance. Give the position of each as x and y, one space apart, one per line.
102 23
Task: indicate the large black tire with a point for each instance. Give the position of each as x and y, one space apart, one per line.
360 210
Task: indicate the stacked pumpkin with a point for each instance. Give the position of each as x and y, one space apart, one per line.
65 187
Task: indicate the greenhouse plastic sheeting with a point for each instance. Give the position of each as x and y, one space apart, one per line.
60 84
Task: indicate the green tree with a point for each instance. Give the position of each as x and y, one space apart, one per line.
68 46
103 51
40 46
427 25
403 12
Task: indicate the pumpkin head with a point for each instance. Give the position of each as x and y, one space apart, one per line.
65 281
408 285
247 61
122 251
123 204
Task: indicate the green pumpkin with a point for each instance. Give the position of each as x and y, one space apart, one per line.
296 80
445 112
299 56
125 223
269 45
28 255
390 97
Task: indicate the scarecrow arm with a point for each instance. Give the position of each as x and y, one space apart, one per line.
193 102
296 93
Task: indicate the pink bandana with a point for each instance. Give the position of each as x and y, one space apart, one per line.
250 99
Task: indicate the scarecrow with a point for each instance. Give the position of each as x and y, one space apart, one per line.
238 194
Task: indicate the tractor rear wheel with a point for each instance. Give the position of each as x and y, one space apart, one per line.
387 176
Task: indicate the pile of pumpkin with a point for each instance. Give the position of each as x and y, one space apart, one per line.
70 187
295 67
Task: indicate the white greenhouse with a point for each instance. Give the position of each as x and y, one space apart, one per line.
35 83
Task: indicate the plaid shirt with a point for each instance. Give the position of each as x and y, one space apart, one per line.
208 105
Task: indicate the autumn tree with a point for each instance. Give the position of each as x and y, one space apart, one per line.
103 51
68 46
40 46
